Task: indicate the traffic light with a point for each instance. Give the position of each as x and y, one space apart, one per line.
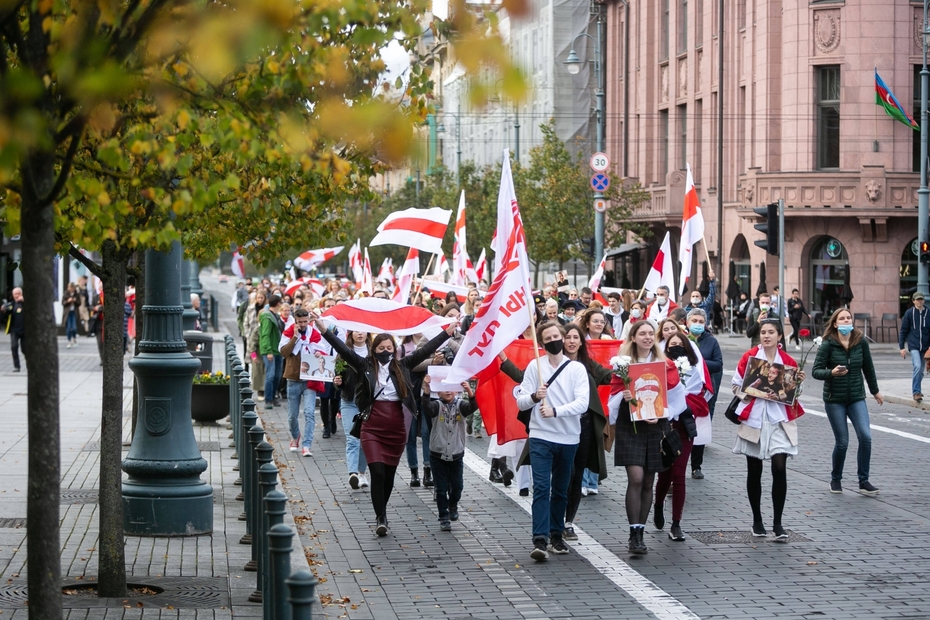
587 246
769 228
924 252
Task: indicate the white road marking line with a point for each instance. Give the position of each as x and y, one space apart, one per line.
883 429
640 589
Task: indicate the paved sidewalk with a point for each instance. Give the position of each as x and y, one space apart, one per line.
203 574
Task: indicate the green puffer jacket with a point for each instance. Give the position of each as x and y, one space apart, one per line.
847 388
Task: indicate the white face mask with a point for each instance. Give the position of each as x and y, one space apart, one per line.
661 299
764 307
695 301
636 313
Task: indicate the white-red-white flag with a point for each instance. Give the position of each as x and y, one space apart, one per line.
356 262
442 267
314 284
692 230
595 282
386 273
481 267
238 265
368 286
311 258
505 312
506 213
439 289
460 261
661 272
407 274
422 229
374 315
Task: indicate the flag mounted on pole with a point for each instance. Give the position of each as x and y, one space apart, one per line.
311 258
481 267
595 282
661 272
461 265
885 98
692 230
238 265
356 262
368 286
504 315
422 229
407 273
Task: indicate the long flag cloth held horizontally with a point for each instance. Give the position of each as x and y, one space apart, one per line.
422 229
496 391
376 316
885 98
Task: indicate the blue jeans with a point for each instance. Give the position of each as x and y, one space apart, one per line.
552 470
589 479
449 481
917 361
296 390
355 457
424 426
858 414
273 369
71 325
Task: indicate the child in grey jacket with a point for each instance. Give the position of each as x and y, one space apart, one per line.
447 447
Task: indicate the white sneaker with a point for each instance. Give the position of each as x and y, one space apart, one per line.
584 491
592 491
362 481
306 451
353 480
69 344
797 347
295 444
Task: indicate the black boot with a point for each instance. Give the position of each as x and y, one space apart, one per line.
495 475
506 473
414 477
427 477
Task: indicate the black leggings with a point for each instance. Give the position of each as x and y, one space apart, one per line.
581 461
779 486
382 483
795 328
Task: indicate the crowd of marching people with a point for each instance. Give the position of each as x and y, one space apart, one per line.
576 401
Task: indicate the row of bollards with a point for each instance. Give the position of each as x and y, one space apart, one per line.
283 596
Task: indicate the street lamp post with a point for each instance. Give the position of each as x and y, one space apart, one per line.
458 144
573 64
923 194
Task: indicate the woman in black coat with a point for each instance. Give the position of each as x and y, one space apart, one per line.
386 401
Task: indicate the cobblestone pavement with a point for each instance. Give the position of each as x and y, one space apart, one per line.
850 556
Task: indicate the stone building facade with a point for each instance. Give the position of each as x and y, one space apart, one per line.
799 123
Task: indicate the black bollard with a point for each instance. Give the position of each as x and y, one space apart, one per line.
280 546
267 480
263 453
244 452
243 385
235 400
231 358
250 490
302 587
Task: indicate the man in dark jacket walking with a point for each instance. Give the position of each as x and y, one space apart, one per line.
12 314
915 337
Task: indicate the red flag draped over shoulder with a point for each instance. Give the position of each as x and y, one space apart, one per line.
495 393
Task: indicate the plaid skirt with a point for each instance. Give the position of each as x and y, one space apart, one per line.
641 447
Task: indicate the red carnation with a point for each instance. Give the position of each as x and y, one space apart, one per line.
804 333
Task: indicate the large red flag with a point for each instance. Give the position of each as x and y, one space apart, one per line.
495 393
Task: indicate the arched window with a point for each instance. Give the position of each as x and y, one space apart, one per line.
829 269
908 275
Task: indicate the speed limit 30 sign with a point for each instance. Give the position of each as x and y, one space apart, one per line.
600 162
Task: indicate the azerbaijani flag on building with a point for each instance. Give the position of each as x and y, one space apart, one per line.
885 98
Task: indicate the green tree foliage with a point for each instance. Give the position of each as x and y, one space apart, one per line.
130 125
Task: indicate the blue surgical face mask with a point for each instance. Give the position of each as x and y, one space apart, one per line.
696 328
844 329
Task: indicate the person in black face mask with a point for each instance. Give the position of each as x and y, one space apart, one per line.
386 401
557 402
677 347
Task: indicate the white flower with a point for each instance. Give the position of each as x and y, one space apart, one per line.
683 365
625 360
615 362
818 341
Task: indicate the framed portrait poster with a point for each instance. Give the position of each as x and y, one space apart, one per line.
650 391
317 368
775 382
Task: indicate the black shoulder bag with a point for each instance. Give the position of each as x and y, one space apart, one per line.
524 414
361 418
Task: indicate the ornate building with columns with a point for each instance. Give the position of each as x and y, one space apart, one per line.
800 123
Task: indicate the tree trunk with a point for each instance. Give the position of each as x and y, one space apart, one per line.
40 348
112 570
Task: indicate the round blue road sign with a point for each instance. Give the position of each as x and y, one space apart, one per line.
600 182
